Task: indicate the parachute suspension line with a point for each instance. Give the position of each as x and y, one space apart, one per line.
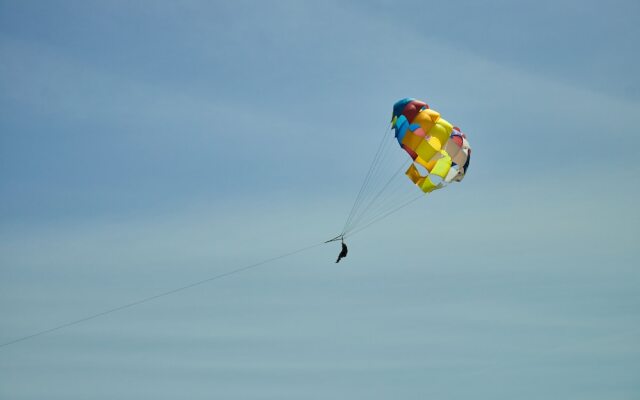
362 194
372 184
335 239
372 167
159 295
371 202
383 216
378 186
385 191
367 179
378 176
391 205
399 191
375 199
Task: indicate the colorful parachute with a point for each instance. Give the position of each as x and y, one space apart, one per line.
440 151
440 154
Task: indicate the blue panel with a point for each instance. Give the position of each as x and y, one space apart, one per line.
401 120
401 130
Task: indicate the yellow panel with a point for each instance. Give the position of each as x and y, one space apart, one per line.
424 120
426 149
411 140
440 132
442 166
433 114
414 175
432 162
446 124
429 165
428 186
435 142
420 161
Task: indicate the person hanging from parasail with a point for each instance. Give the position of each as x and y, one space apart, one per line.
343 252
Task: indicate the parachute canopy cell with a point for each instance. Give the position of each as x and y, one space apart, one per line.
439 150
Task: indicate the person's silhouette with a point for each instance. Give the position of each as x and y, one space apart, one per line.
343 252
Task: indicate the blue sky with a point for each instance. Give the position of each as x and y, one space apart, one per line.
148 145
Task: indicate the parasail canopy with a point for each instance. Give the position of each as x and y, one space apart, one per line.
439 150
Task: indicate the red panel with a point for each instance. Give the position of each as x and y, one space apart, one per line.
412 109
